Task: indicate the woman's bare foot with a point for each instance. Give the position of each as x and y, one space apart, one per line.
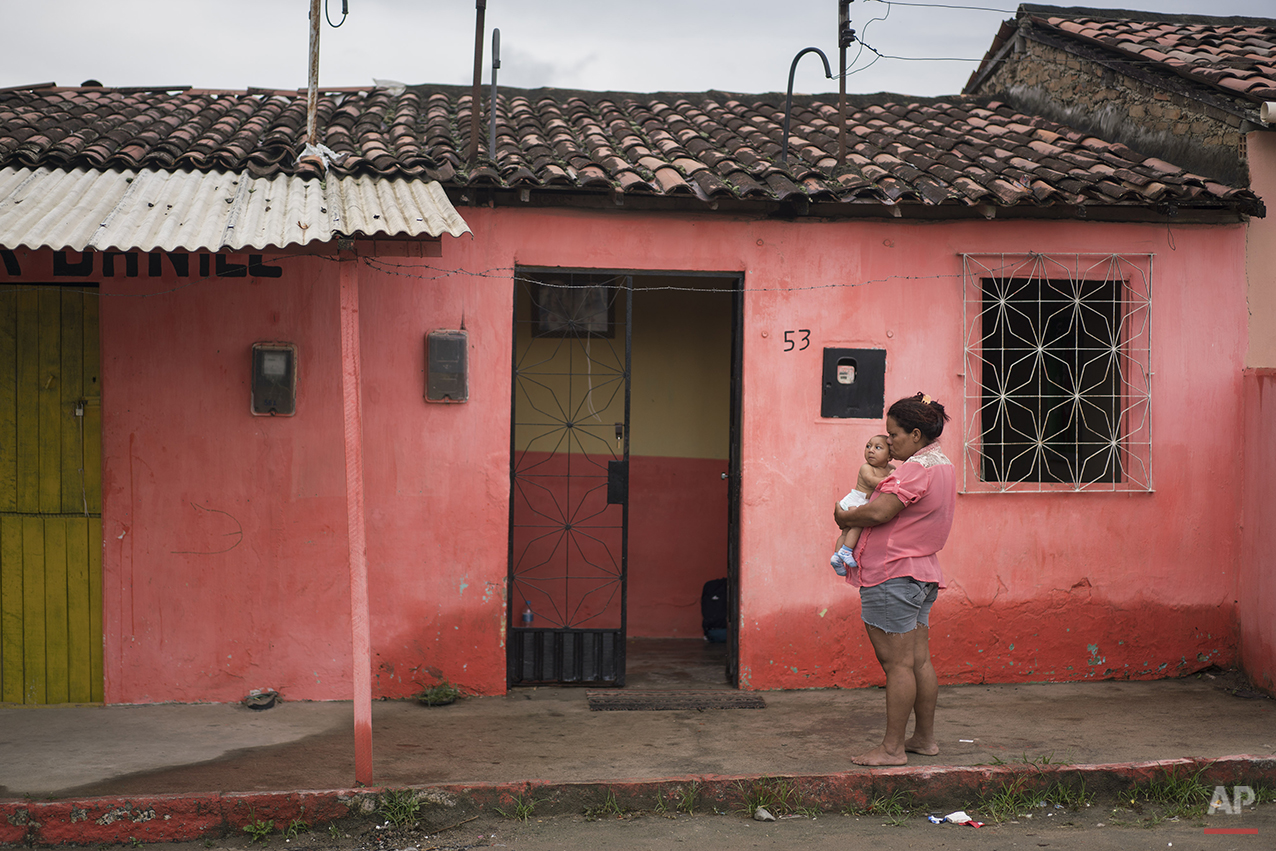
880 756
929 748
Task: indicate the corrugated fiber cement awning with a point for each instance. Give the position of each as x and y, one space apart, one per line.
211 211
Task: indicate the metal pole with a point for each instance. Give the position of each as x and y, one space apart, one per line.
491 102
475 91
841 112
788 102
312 92
845 37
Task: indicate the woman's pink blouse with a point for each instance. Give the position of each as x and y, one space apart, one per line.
906 544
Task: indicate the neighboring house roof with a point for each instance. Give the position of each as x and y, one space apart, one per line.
194 210
99 169
707 150
1235 56
260 133
1232 56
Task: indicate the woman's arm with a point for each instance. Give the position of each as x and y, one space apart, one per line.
874 513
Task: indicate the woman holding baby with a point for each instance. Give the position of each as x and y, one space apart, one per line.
905 523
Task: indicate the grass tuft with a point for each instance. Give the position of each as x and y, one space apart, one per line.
1012 800
896 808
609 807
399 807
777 795
295 828
688 797
1178 793
522 809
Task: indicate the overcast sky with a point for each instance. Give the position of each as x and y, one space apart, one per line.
601 45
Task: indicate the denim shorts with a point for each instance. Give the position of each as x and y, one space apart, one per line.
898 605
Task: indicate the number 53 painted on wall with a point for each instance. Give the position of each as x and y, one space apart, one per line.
791 344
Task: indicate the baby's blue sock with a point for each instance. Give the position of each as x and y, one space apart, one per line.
841 560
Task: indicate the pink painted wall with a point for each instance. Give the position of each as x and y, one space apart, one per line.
1257 598
1066 586
1258 581
225 562
1261 251
224 533
437 477
225 553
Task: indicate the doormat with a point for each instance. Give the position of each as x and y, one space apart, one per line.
640 701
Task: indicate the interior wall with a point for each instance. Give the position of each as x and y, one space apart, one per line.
680 422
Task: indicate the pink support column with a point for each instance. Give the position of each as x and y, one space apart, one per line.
361 639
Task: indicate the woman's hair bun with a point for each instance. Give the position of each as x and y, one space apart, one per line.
920 412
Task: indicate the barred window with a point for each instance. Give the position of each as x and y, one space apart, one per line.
1057 379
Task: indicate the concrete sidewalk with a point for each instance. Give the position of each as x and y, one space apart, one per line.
107 773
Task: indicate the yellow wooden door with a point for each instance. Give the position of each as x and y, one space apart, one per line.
50 495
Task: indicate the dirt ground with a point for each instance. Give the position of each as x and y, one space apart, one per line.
552 736
558 740
1099 827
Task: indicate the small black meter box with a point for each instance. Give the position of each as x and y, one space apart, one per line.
274 387
446 375
854 384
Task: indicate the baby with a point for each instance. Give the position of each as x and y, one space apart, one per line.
877 467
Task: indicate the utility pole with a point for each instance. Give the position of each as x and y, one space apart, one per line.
312 91
845 38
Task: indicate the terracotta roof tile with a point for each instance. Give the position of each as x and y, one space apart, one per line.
1235 55
709 146
631 182
711 185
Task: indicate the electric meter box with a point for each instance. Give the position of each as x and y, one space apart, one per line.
854 384
274 380
446 366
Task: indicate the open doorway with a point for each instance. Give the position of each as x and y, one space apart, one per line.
624 477
681 479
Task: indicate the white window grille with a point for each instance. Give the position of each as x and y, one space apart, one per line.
1058 380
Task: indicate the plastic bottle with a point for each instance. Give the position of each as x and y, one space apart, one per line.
528 616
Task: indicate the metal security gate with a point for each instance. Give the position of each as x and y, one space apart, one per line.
569 478
50 496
